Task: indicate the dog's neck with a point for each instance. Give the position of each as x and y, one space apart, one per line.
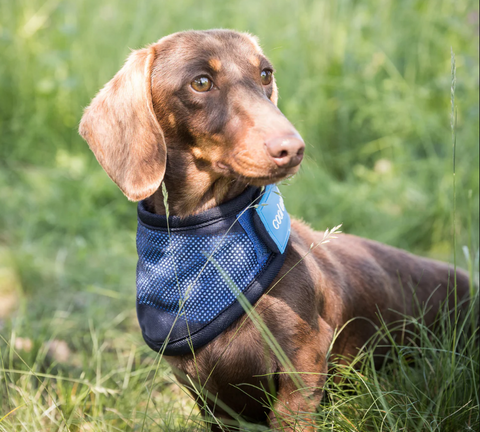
186 200
192 189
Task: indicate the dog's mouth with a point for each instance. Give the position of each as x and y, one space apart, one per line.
258 177
264 181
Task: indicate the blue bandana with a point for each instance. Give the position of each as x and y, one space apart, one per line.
189 271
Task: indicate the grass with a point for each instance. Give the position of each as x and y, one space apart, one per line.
367 87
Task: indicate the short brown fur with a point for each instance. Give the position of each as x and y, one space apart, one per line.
147 126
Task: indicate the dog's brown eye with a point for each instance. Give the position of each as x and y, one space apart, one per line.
266 76
202 84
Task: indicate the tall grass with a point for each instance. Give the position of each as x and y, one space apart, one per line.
368 88
111 382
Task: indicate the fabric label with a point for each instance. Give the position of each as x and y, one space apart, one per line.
274 216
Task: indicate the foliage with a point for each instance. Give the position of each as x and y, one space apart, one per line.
368 86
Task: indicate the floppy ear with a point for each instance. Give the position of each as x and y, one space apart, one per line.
122 130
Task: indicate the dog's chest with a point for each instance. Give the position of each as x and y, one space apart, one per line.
238 373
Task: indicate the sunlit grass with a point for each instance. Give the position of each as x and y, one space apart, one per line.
368 88
104 380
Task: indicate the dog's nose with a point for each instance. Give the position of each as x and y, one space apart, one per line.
286 151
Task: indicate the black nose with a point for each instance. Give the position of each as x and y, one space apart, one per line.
286 151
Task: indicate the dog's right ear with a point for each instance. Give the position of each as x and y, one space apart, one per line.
123 132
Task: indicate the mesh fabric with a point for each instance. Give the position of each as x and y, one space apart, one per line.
197 275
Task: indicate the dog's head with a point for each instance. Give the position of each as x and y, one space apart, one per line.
202 99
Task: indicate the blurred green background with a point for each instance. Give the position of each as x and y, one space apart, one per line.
366 83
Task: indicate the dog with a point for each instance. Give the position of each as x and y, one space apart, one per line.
198 111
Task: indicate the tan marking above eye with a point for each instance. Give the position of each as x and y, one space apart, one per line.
215 64
171 120
202 84
254 60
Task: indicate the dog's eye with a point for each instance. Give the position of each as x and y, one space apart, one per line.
266 76
202 84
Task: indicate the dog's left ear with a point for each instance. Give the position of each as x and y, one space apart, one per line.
123 132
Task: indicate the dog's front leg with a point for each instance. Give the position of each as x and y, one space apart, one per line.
300 392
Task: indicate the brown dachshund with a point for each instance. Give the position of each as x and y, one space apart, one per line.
197 111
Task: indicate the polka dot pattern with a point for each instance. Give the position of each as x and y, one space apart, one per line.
197 274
